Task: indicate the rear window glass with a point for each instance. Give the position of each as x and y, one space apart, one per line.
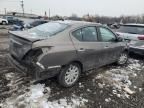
131 29
47 30
78 34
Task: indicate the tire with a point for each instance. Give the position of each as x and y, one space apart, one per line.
123 58
4 23
67 78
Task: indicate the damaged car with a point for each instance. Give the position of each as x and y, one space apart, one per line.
65 49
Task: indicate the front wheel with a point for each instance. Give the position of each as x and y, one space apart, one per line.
69 75
4 23
123 58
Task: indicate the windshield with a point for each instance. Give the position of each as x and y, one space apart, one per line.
131 29
47 30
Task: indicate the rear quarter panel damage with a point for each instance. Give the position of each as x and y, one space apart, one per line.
58 50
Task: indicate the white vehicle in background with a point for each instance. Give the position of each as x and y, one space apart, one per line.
134 33
131 31
3 21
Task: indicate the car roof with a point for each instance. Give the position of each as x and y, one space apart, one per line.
70 22
133 24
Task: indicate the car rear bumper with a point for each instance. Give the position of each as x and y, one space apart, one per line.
34 71
136 50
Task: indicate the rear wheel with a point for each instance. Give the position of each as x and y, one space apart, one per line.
69 75
123 58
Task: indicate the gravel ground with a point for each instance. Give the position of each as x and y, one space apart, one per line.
109 87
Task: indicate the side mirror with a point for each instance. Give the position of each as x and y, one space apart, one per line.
117 34
119 39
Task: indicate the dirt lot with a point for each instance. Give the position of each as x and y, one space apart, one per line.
109 87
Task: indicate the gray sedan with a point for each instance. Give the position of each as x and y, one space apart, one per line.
65 49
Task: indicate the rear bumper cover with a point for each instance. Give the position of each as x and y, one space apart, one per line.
136 50
35 71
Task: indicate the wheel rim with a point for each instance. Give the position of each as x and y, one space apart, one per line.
71 74
4 23
122 58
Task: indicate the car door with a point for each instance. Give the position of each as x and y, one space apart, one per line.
111 47
87 46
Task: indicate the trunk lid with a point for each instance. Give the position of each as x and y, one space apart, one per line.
24 35
20 44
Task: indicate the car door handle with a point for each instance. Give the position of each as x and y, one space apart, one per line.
81 50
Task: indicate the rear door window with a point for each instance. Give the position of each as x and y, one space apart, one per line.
88 34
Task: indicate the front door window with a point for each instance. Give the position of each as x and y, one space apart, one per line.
106 35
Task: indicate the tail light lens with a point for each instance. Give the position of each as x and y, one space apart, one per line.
141 37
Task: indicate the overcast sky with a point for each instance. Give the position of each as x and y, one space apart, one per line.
79 7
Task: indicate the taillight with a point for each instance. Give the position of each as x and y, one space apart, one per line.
141 37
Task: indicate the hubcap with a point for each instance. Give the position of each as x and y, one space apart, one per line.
123 58
72 74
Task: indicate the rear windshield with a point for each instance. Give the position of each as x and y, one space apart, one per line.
36 23
131 29
47 30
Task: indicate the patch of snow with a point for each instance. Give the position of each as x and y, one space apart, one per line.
119 78
36 98
101 85
118 95
114 92
88 90
9 75
1 55
140 89
36 92
80 85
99 76
135 87
126 89
101 91
108 99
